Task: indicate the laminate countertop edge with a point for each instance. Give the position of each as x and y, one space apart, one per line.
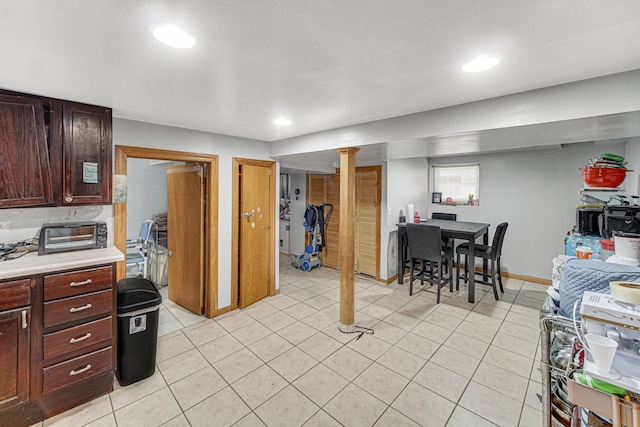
31 263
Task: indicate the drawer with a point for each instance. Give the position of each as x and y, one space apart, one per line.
77 308
75 370
15 293
71 340
77 282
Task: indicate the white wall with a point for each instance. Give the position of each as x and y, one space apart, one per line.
298 205
139 134
632 181
146 192
406 181
25 223
536 192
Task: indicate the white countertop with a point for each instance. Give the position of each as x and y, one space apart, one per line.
31 263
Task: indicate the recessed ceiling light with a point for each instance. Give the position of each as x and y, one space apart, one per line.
173 36
481 63
282 121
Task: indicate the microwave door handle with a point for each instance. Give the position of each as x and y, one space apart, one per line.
601 224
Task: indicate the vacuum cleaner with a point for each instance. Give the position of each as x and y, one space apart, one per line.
316 224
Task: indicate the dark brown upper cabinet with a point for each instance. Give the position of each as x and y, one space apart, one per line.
53 152
86 151
25 173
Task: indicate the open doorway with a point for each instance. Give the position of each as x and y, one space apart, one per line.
210 249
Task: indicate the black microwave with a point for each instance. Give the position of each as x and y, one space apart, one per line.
589 221
72 236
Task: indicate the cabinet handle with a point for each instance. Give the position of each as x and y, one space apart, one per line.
82 338
86 282
79 371
76 309
24 319
68 199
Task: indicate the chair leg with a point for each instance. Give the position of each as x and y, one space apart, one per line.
411 269
439 282
493 280
466 269
457 272
500 276
450 273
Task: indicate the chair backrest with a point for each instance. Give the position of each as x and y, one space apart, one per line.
145 231
444 215
498 239
425 242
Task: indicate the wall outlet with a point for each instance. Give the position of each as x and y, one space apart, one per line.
4 225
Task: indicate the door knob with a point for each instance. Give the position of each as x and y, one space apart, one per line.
248 214
169 253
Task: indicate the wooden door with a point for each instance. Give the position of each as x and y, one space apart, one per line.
86 172
254 241
14 357
25 173
326 188
185 232
331 251
367 227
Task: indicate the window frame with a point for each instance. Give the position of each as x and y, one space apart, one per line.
458 200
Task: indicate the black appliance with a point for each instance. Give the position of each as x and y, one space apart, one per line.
590 221
72 236
624 219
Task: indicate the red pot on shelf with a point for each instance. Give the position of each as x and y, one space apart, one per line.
603 177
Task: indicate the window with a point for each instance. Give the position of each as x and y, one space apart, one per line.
284 186
457 182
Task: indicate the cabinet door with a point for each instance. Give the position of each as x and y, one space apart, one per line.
14 357
25 174
86 165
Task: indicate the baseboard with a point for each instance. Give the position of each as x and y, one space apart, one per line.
527 278
518 277
504 274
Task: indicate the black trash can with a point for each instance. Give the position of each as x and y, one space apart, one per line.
138 308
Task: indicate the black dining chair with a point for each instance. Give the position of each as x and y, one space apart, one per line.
492 253
444 215
449 217
426 256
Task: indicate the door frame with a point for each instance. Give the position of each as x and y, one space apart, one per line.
235 230
210 161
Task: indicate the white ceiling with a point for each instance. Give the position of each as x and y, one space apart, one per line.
325 64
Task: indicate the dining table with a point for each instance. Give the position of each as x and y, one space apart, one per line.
463 230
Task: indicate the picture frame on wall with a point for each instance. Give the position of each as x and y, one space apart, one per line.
436 197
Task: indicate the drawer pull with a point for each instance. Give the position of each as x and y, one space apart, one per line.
25 325
82 308
85 282
82 338
79 371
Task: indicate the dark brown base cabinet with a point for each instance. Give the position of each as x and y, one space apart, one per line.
57 341
53 152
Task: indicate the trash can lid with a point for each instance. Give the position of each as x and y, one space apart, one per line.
136 294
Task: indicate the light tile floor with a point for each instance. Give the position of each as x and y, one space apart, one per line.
283 362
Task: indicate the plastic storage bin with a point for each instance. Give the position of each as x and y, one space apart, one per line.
138 309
